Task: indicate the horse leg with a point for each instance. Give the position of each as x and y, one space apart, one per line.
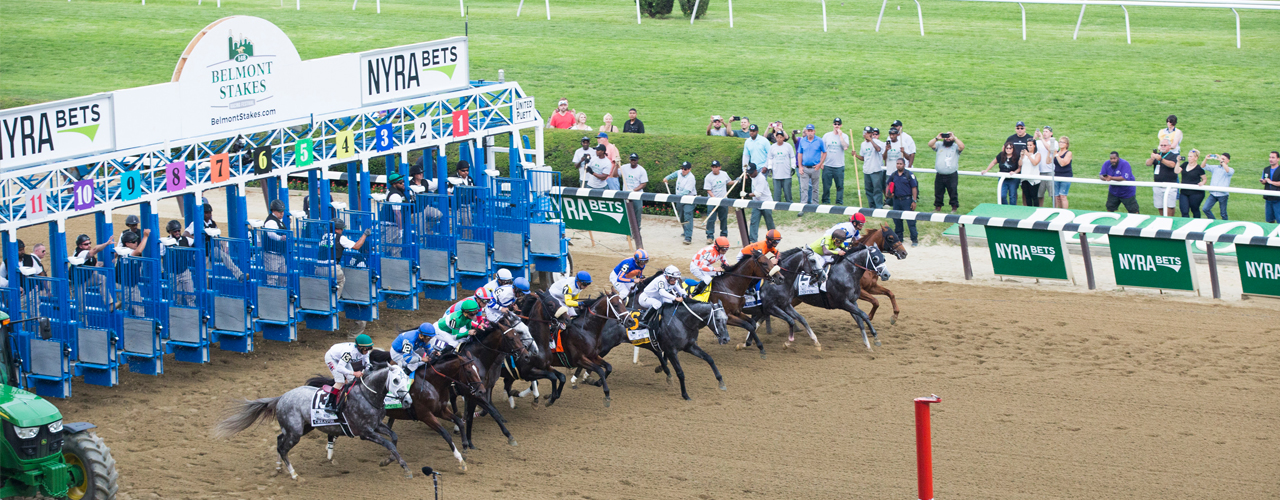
285 441
506 389
791 325
372 435
329 449
469 418
695 350
879 289
497 417
577 375
864 323
675 362
796 314
875 304
662 361
557 385
434 423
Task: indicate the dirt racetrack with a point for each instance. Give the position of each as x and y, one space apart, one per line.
1045 395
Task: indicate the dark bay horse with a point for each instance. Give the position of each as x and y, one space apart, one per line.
489 347
534 367
774 304
579 341
843 288
677 330
888 242
430 393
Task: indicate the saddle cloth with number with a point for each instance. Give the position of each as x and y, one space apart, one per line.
322 416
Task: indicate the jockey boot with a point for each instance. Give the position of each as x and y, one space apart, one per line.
647 318
331 402
702 286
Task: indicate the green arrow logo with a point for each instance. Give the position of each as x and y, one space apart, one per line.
447 70
89 131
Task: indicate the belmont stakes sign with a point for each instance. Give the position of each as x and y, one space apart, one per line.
1153 263
606 215
1030 253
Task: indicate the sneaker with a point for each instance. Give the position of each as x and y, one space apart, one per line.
937 209
953 211
687 242
914 244
710 241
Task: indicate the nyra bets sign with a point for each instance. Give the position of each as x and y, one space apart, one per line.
62 129
414 70
236 73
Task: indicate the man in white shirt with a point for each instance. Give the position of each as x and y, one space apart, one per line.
686 185
1047 146
908 144
837 143
634 178
782 161
717 127
759 192
598 169
872 153
581 157
716 184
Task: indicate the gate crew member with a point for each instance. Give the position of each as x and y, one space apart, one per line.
709 263
129 274
183 287
453 327
566 292
341 359
409 349
274 246
131 222
659 292
329 258
86 254
905 191
628 273
392 218
29 265
767 247
825 250
502 279
211 231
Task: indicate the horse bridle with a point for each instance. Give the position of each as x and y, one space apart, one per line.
466 361
616 316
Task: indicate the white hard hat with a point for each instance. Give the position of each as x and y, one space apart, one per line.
504 275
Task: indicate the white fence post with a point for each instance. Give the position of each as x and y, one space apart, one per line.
521 7
548 10
1127 36
692 15
1233 10
824 16
1024 21
637 11
920 13
378 4
353 4
299 6
730 13
1077 33
878 19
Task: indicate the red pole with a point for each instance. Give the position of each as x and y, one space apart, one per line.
924 446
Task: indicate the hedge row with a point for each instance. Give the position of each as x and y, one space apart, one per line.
659 154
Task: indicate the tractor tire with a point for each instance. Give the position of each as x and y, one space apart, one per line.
86 451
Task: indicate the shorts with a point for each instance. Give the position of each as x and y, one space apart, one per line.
1061 188
1164 197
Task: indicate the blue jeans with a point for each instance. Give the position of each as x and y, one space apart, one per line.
1061 188
782 189
686 215
874 186
1009 192
754 228
1272 211
721 213
830 175
612 183
1208 206
904 204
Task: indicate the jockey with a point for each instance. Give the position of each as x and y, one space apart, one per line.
823 251
481 298
520 286
454 326
409 349
503 279
662 291
708 263
502 301
341 358
566 292
629 272
767 247
853 228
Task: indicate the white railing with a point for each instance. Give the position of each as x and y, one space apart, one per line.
1001 177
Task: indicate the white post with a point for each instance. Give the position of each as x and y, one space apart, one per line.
1024 21
730 13
462 9
548 10
299 6
518 9
353 4
920 13
693 14
637 11
882 4
1233 10
824 16
635 355
1127 36
1077 33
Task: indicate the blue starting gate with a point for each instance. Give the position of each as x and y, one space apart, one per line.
93 291
359 299
234 300
140 298
318 267
509 207
275 271
437 265
548 246
475 236
398 251
186 298
46 356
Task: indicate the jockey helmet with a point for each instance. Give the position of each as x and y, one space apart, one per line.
173 226
722 243
339 224
773 235
504 277
129 237
840 234
584 277
82 239
641 255
364 340
671 272
469 306
858 219
277 206
482 293
426 330
521 284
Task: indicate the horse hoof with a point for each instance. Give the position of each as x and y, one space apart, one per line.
762 355
550 402
893 320
877 342
511 441
408 475
574 386
786 346
606 401
657 369
741 347
817 347
723 387
462 467
687 398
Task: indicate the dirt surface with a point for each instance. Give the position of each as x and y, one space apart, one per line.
1153 398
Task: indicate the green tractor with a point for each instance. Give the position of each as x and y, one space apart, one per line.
40 454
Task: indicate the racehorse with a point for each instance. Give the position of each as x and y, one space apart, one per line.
888 242
677 330
489 350
363 412
532 368
430 391
792 263
843 288
578 343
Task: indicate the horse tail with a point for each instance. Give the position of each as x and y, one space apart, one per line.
247 414
319 381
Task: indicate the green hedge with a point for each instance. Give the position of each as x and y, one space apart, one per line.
659 154
655 8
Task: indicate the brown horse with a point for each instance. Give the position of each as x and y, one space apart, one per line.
889 242
430 395
580 339
730 287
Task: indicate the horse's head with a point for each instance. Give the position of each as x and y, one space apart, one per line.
526 337
515 335
874 260
467 374
612 306
891 242
718 321
398 384
763 267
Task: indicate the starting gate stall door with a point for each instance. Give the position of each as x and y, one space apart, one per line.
548 247
97 321
275 263
398 251
234 303
475 236
140 297
46 361
510 209
316 247
359 299
185 293
437 272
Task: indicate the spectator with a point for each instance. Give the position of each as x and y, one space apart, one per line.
774 128
872 152
1047 147
686 185
1029 164
615 157
581 157
947 164
580 122
1171 133
782 159
755 149
1221 178
716 184
1008 165
562 117
608 124
1192 171
1164 161
1117 170
1271 182
717 127
905 191
759 192
893 150
812 153
908 144
745 131
1019 139
1062 168
837 144
599 169
633 125
634 178
131 223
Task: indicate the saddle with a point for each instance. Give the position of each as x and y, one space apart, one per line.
691 285
324 414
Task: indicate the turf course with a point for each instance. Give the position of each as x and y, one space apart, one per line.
971 73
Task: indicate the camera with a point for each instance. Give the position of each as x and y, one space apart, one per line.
1213 157
735 118
946 135
1155 151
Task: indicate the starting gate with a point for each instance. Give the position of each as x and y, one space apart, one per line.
510 208
548 247
437 265
97 320
359 298
234 303
275 265
140 298
46 355
317 270
475 236
398 250
186 298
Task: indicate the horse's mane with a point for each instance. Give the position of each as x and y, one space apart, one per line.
587 303
789 253
741 262
379 356
870 234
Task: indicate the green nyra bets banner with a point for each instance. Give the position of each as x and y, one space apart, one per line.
1153 263
1032 253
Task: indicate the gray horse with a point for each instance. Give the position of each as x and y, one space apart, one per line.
677 330
363 411
843 289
